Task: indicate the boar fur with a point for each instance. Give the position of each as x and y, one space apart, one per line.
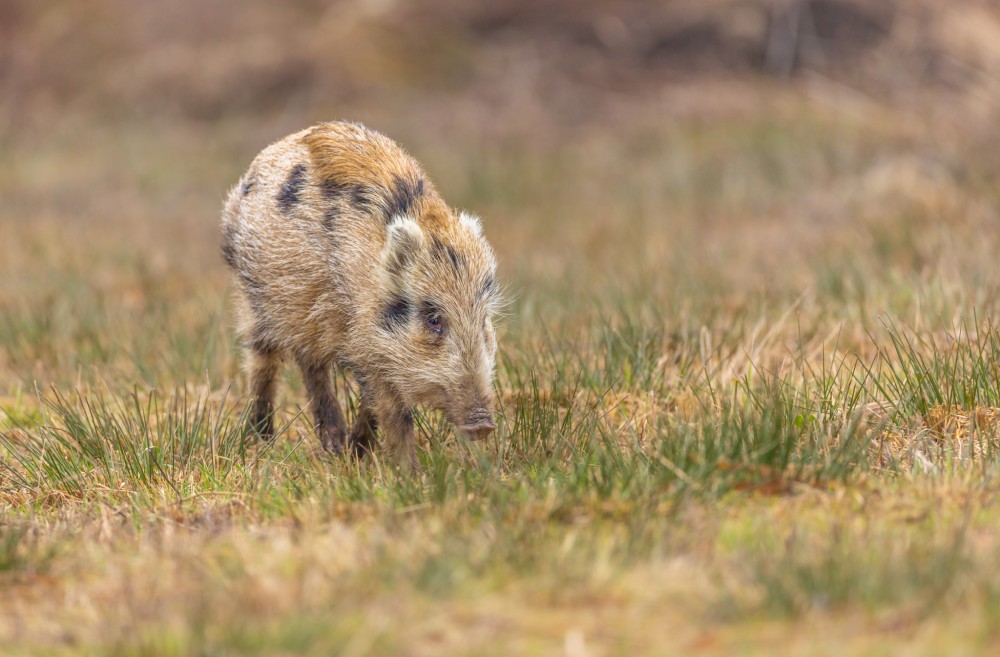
346 256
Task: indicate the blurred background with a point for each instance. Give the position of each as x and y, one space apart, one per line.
449 62
656 147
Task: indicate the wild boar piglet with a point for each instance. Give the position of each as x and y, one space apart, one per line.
345 255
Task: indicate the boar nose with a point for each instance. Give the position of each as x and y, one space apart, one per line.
479 424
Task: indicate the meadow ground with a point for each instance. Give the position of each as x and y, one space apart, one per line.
748 379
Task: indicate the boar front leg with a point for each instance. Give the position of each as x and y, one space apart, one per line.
329 420
395 418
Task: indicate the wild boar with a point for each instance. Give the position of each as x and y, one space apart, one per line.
346 256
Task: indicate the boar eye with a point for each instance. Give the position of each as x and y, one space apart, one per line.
433 318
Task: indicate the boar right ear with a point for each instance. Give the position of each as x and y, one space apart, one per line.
404 240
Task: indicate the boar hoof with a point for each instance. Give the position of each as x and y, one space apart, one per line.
362 446
362 440
333 441
261 426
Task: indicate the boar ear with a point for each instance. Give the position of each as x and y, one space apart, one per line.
471 222
403 242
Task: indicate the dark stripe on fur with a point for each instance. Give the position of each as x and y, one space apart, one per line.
488 288
396 313
288 195
445 254
457 260
361 197
403 196
330 218
333 191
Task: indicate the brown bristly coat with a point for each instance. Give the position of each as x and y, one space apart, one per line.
345 255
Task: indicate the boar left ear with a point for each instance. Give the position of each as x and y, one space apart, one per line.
471 222
404 240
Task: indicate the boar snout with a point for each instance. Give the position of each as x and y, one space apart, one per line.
478 424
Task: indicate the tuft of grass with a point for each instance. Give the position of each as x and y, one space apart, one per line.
916 373
770 442
938 398
90 447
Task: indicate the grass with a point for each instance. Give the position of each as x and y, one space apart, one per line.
747 400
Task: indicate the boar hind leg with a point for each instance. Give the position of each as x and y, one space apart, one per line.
263 366
329 420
